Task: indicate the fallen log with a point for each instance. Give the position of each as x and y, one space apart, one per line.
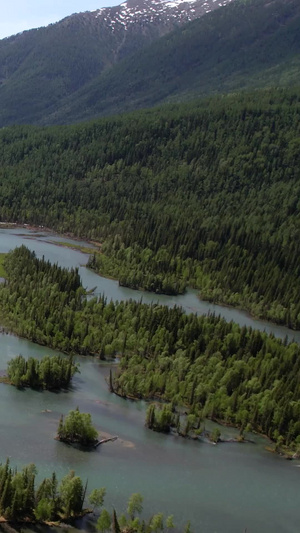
102 441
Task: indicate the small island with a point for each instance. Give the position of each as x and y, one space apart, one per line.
51 373
77 428
165 418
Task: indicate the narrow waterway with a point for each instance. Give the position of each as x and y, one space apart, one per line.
43 243
222 489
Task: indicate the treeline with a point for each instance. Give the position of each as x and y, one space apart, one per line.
205 194
236 375
40 302
21 500
49 373
161 419
165 418
52 501
132 522
141 268
214 368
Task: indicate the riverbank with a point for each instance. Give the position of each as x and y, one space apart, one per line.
180 419
162 461
221 307
248 310
29 522
97 318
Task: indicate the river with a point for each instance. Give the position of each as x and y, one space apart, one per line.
221 489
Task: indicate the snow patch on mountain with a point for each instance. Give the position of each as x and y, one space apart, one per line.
151 11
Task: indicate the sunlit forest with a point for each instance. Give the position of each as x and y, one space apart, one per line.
204 194
214 368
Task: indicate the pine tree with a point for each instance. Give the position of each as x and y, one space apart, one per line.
111 387
115 523
60 429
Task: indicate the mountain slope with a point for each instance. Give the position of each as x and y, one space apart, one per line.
222 175
245 45
39 68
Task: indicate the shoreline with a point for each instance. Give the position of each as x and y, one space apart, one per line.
63 523
97 245
284 452
248 312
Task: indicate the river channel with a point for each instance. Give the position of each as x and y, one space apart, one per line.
221 489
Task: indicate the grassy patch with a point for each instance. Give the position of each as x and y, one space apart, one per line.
83 249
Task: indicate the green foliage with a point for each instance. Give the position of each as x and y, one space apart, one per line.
135 505
71 494
96 497
133 524
215 435
222 176
43 511
52 502
2 269
238 375
104 521
50 373
115 523
160 418
157 523
211 367
170 522
21 500
139 268
78 427
188 528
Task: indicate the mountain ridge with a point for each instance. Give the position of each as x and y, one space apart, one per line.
245 45
38 68
74 70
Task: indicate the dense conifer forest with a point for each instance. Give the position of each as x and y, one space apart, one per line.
52 373
213 368
204 194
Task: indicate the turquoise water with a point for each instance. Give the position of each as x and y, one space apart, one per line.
43 243
223 489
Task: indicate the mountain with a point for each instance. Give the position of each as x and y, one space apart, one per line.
247 44
130 56
40 68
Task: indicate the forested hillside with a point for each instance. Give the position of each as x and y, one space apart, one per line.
205 194
98 63
247 44
211 367
40 68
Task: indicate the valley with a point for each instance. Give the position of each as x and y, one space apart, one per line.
233 476
222 174
149 244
